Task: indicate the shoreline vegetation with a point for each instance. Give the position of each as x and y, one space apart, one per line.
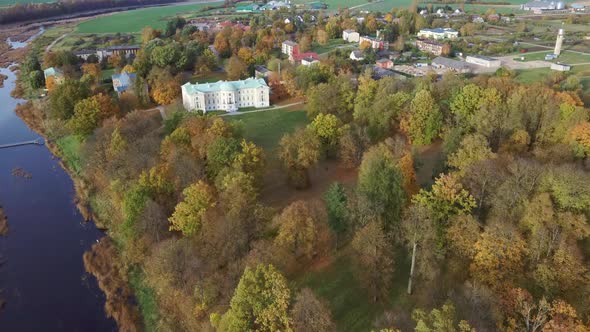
3 225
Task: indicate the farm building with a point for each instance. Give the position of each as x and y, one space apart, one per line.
122 82
484 61
450 64
560 67
438 33
350 36
226 95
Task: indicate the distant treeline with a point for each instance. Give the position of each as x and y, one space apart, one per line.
468 2
33 11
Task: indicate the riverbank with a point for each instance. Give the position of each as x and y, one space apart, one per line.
3 223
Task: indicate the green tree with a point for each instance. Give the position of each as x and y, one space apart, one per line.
260 302
474 148
221 154
36 79
299 151
189 215
422 124
380 182
336 206
64 98
86 118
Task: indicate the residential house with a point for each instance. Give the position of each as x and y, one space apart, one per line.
226 95
262 72
289 48
438 33
376 43
433 47
57 74
450 64
357 55
384 63
350 36
123 82
298 58
477 19
309 60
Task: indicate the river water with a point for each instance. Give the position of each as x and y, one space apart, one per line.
43 279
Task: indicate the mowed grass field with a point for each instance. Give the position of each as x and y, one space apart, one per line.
565 57
6 3
133 21
266 128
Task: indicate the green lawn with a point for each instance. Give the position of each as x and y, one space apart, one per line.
330 45
6 3
565 57
70 150
266 128
135 20
352 308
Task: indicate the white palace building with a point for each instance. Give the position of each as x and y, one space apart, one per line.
226 95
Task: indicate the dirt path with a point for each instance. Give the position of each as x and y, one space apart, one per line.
263 110
48 48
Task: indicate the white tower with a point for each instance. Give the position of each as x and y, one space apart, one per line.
559 42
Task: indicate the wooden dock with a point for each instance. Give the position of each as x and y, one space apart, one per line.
38 141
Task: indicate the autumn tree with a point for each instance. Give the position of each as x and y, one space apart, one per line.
419 232
64 98
422 124
299 151
310 314
328 128
260 302
236 68
93 70
443 319
580 140
190 214
473 149
499 257
303 230
372 255
164 88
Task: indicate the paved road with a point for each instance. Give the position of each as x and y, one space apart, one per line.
263 110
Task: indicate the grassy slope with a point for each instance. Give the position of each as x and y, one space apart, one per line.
70 150
266 128
135 20
565 57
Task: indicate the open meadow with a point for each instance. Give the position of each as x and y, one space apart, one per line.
134 21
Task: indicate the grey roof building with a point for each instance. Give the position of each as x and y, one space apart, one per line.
454 65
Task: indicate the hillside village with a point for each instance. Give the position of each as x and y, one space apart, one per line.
297 166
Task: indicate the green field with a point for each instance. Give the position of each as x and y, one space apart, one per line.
134 21
540 74
565 57
266 128
6 3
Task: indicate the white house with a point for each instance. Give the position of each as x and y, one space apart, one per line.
308 61
350 36
226 95
289 48
357 55
438 33
484 61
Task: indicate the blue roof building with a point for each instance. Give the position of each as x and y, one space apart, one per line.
51 71
123 81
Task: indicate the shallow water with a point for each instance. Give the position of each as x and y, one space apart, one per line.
43 279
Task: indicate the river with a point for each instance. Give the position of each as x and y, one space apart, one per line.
43 279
